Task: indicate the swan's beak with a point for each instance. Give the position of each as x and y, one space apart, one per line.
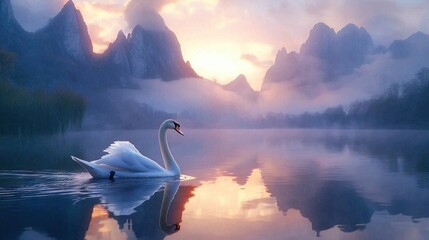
177 128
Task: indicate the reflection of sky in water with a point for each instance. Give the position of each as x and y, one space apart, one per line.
224 198
252 184
104 227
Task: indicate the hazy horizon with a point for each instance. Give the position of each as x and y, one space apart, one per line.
239 37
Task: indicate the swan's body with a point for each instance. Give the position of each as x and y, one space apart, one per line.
126 161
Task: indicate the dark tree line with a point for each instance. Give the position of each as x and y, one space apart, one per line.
401 106
26 112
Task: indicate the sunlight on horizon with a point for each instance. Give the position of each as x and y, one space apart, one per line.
103 23
214 59
236 210
225 198
103 226
200 24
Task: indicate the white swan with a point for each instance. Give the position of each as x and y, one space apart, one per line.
124 160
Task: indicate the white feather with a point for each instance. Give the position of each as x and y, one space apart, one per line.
125 157
121 146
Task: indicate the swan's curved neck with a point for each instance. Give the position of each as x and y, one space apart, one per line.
170 191
169 162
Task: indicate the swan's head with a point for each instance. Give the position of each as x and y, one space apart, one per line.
171 228
173 124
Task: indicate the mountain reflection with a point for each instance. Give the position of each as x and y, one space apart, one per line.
253 184
326 204
351 176
330 204
335 179
225 198
95 209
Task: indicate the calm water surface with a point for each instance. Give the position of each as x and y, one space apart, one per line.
240 184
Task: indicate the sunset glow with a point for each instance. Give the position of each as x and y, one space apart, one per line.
102 226
103 22
216 34
227 199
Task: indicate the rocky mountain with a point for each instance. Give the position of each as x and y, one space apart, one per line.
57 56
148 54
286 66
340 52
61 54
416 45
117 53
241 86
320 43
331 54
68 33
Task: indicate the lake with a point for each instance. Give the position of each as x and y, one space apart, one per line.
238 184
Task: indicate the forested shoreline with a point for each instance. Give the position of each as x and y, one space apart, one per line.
27 112
402 106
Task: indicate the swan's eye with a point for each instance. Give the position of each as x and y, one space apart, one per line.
176 125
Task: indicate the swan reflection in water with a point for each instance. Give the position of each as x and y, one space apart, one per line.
132 208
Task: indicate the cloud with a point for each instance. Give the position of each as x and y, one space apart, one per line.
286 23
209 104
108 7
104 20
283 23
255 60
98 41
146 14
202 25
307 92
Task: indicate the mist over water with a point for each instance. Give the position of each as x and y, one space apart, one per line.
253 183
238 180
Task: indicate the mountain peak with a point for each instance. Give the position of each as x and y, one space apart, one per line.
319 41
69 30
321 26
121 37
334 54
281 55
156 54
241 79
353 31
70 9
418 36
69 4
349 47
350 27
416 44
239 85
8 21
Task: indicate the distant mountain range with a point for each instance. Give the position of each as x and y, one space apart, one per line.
333 54
61 53
326 55
330 68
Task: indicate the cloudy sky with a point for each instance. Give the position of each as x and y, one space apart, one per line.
223 38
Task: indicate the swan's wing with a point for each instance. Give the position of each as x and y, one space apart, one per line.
124 156
121 146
